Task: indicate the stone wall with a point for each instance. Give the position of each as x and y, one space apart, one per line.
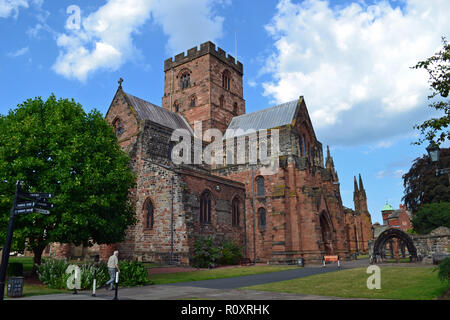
436 242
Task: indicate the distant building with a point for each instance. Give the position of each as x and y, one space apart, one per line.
277 218
399 219
394 219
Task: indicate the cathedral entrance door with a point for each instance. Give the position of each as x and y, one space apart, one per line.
327 239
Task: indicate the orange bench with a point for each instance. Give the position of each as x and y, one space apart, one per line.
331 259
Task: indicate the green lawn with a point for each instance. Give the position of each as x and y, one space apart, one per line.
37 290
396 283
215 273
26 261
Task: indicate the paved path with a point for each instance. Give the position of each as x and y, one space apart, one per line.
245 281
216 289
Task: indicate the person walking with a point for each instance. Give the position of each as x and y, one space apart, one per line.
113 267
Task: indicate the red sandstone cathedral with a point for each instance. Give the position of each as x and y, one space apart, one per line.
296 212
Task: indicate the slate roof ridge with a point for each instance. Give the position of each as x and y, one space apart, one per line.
171 120
266 109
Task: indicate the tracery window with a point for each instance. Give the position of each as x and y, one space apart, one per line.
226 76
262 218
205 207
118 127
235 212
185 80
261 192
149 214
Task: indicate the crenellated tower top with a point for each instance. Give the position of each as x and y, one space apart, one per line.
205 48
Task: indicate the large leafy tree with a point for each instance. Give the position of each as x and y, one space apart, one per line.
431 216
56 147
436 130
422 186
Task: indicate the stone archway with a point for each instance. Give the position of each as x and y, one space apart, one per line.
387 237
327 233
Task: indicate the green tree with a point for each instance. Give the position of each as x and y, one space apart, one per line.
431 216
438 68
55 147
421 184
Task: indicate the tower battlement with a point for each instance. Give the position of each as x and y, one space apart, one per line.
205 48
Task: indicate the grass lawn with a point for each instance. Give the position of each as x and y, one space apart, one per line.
26 261
37 290
396 283
218 273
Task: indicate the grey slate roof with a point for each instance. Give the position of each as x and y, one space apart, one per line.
148 111
273 117
395 214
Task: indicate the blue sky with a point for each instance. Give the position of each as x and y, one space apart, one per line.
350 60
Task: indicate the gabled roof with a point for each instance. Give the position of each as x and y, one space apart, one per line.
148 111
387 207
395 214
273 117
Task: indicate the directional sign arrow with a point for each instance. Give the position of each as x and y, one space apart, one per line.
35 195
37 210
22 211
25 205
45 205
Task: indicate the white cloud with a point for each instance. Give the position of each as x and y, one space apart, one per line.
11 7
105 37
189 23
352 64
104 40
18 53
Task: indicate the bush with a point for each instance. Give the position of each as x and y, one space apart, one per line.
132 273
231 253
53 274
209 255
206 253
15 269
430 216
444 270
87 275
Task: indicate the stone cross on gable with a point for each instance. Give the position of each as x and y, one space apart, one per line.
120 82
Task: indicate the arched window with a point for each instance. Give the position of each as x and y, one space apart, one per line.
222 101
118 128
262 218
261 192
149 214
205 207
235 212
193 101
226 79
185 80
304 146
235 108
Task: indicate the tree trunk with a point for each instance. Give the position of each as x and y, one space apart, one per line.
37 259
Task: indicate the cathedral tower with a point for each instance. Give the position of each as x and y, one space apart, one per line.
359 196
204 85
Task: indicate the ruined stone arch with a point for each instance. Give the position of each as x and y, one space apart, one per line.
389 235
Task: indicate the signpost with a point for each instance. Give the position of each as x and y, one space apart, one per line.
23 203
